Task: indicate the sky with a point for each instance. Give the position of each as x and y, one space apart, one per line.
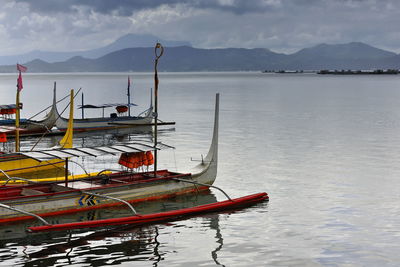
284 26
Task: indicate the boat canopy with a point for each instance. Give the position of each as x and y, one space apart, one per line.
9 129
59 153
106 105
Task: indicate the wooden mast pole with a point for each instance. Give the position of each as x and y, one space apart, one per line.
17 118
129 96
83 109
20 69
158 51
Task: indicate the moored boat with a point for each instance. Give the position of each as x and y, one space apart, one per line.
121 118
49 199
27 126
104 123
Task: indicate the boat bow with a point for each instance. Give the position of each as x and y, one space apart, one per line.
206 171
50 119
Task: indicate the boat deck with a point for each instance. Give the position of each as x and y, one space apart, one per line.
116 179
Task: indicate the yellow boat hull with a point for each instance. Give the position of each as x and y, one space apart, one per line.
21 166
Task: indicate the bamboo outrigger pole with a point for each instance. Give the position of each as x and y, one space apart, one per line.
129 96
158 51
20 69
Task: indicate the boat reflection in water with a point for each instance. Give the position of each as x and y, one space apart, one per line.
116 244
100 137
117 135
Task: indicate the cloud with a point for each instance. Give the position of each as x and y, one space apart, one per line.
127 7
281 25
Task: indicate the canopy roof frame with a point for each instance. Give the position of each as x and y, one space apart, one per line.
59 153
110 105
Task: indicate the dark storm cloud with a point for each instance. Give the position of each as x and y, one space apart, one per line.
127 7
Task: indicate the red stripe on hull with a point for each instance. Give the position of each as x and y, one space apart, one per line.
157 217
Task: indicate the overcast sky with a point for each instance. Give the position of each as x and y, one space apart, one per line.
280 25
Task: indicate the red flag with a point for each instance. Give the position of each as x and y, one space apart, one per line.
21 68
19 82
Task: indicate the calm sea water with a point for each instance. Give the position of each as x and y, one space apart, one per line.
325 148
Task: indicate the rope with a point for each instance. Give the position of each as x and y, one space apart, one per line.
48 107
59 115
176 166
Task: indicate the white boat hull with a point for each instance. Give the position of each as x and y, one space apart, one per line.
104 123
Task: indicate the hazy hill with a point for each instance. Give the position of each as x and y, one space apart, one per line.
126 41
131 41
353 55
181 58
354 50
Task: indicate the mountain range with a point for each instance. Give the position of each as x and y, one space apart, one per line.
126 41
136 53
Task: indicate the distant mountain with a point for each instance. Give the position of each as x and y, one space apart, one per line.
186 58
354 50
126 41
183 58
353 55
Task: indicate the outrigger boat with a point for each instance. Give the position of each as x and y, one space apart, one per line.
27 126
103 123
18 203
46 199
122 117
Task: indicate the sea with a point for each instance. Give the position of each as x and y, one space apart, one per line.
326 148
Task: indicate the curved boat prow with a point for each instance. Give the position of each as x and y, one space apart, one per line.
53 115
49 120
206 171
